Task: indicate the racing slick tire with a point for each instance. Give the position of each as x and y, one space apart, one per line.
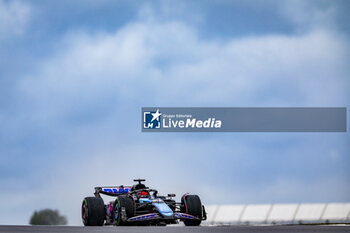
124 205
93 211
191 204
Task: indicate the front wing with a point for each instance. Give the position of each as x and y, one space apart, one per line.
155 216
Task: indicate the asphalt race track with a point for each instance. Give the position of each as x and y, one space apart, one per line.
176 229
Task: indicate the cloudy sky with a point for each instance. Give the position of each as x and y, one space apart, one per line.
75 74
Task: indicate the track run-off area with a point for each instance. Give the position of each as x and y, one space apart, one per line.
178 229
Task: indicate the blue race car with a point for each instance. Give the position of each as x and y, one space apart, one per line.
140 205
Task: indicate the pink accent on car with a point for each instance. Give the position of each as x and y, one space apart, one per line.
185 202
84 211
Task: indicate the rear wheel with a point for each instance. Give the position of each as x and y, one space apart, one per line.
123 209
93 211
191 204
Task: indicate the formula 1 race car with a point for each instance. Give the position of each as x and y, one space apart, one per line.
140 205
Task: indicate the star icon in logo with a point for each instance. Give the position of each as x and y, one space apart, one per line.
156 115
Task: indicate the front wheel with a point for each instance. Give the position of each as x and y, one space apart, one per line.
191 204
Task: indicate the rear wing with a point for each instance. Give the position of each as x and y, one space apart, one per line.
112 190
